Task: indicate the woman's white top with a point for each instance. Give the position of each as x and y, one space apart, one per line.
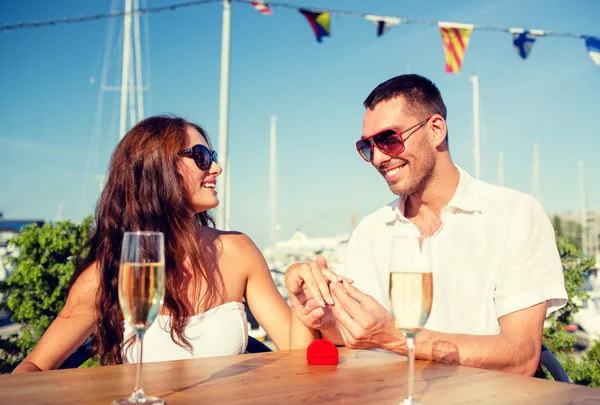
220 331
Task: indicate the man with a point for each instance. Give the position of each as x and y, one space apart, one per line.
499 272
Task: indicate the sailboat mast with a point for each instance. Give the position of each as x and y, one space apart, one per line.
131 97
476 151
353 205
223 220
273 181
501 168
126 67
584 239
536 171
227 192
138 61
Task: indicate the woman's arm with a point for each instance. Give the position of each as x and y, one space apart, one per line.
69 330
301 336
264 300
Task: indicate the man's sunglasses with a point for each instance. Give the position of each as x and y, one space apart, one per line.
388 141
203 157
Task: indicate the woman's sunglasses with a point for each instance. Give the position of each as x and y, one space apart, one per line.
203 157
388 141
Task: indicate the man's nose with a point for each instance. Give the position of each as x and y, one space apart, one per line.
379 157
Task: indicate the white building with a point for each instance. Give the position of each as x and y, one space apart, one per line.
591 246
8 230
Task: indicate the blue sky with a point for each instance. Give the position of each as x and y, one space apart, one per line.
52 152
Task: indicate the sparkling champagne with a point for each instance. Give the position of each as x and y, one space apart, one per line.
141 292
411 298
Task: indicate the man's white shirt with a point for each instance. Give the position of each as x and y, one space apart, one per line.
495 254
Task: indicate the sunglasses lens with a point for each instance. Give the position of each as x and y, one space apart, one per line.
389 142
364 149
202 157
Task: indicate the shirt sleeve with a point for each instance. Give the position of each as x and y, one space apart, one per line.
532 271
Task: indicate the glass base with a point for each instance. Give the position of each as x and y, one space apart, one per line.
139 400
409 401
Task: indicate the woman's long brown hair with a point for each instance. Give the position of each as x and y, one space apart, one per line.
145 192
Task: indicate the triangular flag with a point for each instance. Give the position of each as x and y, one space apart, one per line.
383 23
456 39
523 40
262 7
593 47
319 23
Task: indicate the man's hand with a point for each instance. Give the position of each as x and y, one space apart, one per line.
363 322
310 297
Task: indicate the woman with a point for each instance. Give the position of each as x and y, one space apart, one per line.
162 177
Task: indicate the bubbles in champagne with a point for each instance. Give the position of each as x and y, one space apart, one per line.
411 296
141 292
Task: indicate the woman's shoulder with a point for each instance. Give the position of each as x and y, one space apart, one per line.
230 240
89 277
232 244
83 292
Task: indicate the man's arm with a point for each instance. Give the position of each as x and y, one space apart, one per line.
516 349
364 323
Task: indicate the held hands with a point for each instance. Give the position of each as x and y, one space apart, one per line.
310 295
322 300
362 321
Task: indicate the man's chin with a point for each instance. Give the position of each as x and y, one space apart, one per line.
398 188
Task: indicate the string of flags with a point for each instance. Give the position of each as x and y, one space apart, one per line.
455 36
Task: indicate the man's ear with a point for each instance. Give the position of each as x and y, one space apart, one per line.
440 131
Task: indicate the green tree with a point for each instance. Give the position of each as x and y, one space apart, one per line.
570 230
556 338
36 291
557 224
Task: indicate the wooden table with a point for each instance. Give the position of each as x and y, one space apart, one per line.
362 377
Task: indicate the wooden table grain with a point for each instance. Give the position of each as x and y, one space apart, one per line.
284 377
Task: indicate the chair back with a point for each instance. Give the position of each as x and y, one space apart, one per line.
551 363
256 346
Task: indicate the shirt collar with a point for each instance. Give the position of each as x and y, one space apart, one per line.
466 198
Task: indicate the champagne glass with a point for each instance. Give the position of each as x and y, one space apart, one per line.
141 295
411 293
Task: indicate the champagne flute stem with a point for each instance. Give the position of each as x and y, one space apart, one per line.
139 392
410 345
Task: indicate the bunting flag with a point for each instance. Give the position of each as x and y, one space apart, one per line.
384 24
262 8
455 36
456 39
523 40
319 23
593 47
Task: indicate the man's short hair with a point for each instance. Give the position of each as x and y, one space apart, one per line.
421 95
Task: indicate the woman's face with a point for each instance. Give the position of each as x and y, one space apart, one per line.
200 185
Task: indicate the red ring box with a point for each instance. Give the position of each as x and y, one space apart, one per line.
322 351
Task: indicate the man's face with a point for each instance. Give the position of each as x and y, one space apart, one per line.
408 172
